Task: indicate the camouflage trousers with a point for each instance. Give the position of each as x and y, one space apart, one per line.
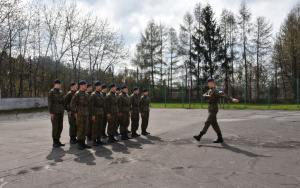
73 126
104 125
97 127
90 127
82 127
57 125
145 120
124 122
135 122
211 120
112 123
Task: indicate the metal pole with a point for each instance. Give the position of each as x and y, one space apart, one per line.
201 95
165 94
298 93
150 94
189 97
245 93
182 95
269 94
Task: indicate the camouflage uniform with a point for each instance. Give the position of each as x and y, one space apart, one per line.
80 106
72 120
112 109
97 103
213 110
124 108
104 118
56 105
134 106
90 128
144 108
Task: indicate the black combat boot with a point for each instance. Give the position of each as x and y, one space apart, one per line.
55 143
219 140
104 135
100 142
60 144
128 131
85 146
95 143
128 137
73 140
80 145
198 137
144 132
111 139
124 137
134 134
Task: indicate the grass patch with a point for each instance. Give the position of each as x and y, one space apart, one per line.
232 106
30 110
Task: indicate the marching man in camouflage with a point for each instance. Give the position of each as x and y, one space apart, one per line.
80 107
89 91
144 108
71 116
97 102
134 111
124 109
104 92
213 94
112 112
56 109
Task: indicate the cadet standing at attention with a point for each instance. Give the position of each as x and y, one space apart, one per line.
80 107
56 108
97 102
213 94
135 110
112 112
118 92
71 116
124 109
144 108
103 92
89 91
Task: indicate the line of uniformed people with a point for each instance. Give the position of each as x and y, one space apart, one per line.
90 112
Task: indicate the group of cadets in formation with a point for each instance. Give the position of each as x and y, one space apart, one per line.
89 113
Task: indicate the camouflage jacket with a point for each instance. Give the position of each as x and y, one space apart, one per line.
97 103
134 103
68 99
111 103
214 99
124 102
104 95
144 104
80 103
56 101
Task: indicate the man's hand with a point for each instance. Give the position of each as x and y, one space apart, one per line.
120 115
76 116
69 114
131 112
142 114
52 116
235 100
108 116
94 118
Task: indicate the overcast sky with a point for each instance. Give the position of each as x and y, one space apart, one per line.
131 16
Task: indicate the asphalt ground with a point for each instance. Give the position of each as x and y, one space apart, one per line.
261 149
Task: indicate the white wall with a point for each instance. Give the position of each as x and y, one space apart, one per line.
22 103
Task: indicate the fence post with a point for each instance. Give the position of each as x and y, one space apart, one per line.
245 93
201 95
298 93
150 94
165 94
269 94
189 97
182 95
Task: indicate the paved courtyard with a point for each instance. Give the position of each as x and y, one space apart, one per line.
261 149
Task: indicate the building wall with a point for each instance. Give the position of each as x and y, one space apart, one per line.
23 103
